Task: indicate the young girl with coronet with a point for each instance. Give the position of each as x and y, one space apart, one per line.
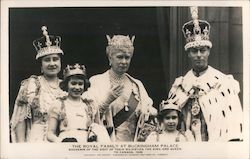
76 118
170 126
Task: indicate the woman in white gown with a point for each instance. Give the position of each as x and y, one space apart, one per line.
29 118
122 99
77 118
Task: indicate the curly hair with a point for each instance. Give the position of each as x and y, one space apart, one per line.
113 49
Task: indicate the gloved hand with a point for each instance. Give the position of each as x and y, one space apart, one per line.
114 93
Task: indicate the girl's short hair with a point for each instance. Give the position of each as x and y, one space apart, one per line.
64 84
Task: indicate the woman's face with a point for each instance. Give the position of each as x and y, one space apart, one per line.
51 65
171 120
75 87
120 62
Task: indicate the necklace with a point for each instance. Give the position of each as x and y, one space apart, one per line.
53 85
116 79
48 94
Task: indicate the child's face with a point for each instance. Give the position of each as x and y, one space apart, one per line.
170 120
75 87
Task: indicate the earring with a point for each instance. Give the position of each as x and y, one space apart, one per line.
109 63
41 71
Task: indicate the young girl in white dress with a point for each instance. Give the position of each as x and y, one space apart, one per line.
76 118
170 121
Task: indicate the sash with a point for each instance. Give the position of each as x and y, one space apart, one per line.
123 115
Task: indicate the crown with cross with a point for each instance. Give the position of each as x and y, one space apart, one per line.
196 31
75 69
48 44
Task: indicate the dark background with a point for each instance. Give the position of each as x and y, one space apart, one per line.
159 55
83 32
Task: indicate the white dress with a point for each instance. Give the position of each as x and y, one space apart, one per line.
76 120
166 138
74 124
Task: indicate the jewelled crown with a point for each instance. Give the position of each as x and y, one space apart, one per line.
196 31
120 42
165 105
75 69
48 44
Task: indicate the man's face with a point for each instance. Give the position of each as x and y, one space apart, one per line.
199 57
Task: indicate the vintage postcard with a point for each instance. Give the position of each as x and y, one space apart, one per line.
124 79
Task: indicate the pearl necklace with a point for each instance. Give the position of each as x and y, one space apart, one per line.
48 91
53 85
116 79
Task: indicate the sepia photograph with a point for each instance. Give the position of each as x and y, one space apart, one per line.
117 80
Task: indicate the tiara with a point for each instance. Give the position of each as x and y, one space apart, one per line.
166 105
120 40
75 69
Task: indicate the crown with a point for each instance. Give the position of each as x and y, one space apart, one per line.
48 44
120 42
75 69
196 31
165 105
